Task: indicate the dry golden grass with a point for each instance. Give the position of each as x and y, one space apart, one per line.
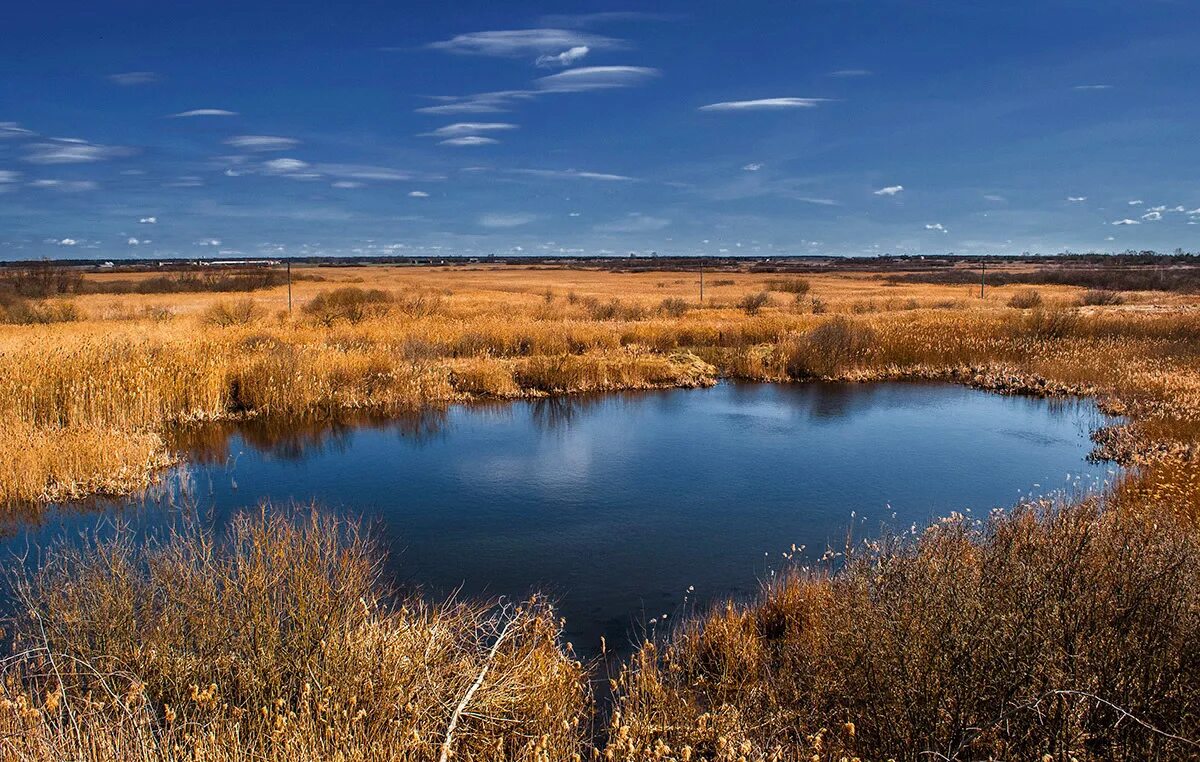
1061 633
274 641
109 386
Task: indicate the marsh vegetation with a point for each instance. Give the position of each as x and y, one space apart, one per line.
1062 631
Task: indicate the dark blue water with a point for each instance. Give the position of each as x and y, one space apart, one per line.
626 506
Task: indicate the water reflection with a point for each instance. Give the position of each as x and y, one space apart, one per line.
619 504
296 439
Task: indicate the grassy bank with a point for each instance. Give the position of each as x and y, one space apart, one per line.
1056 632
97 396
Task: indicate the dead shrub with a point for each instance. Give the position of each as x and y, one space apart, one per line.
227 314
674 307
830 349
349 303
1100 297
1025 299
752 304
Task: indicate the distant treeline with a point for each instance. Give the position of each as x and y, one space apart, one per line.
1144 278
39 281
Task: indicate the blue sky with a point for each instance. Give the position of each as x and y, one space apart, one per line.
203 129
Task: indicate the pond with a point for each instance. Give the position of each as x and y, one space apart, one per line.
630 506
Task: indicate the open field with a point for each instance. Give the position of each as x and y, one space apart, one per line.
1067 632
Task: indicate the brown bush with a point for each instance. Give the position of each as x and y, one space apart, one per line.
830 349
16 310
228 314
752 304
1099 297
1049 633
1025 299
274 641
349 303
798 286
674 307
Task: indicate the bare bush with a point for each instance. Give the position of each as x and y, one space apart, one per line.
673 307
752 304
349 303
1025 299
227 314
830 349
1049 633
1099 297
798 286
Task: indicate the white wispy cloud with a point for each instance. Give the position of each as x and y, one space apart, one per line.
1093 87
469 128
938 227
844 73
65 186
890 190
1152 216
261 142
765 104
368 172
284 166
131 78
596 78
468 140
11 130
418 194
566 58
571 174
994 197
133 241
8 176
72 151
67 242
347 184
203 112
753 166
1127 222
634 222
1136 202
506 220
148 221
476 103
516 43
1076 199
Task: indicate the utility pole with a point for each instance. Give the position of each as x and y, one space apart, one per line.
289 276
701 281
982 275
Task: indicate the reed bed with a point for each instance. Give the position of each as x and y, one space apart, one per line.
110 390
1056 632
275 641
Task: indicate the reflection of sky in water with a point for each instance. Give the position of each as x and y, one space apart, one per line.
619 503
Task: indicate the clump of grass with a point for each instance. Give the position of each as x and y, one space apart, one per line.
752 304
1049 633
829 350
227 314
16 310
674 307
274 641
798 286
1099 297
614 309
1025 299
349 303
